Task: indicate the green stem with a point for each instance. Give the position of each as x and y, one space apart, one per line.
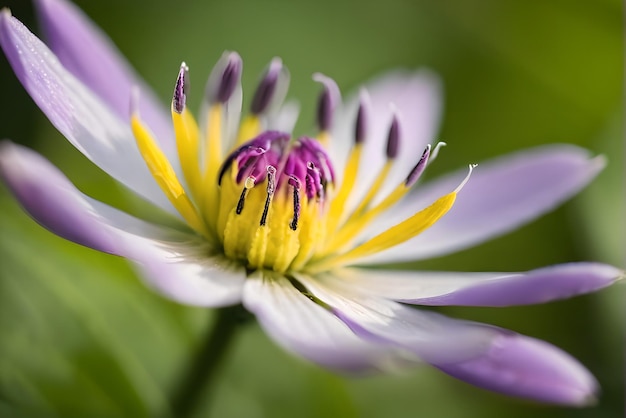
198 380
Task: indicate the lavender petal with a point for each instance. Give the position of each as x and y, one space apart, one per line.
488 357
88 53
502 195
520 366
179 265
76 112
484 289
49 198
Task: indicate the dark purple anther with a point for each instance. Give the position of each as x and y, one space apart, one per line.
329 98
230 78
241 201
181 89
324 113
267 87
360 127
418 169
393 138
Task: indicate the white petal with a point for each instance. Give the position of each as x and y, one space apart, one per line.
187 272
430 336
285 118
303 327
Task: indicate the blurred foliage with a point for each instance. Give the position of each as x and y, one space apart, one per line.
81 336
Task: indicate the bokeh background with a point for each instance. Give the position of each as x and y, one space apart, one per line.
80 336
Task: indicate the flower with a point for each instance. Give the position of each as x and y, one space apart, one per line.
287 226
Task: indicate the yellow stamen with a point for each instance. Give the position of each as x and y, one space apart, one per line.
395 235
311 233
213 145
359 221
349 177
186 131
280 256
375 187
258 246
212 160
324 138
165 175
230 195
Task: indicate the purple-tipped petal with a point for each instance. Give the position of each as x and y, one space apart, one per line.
224 78
272 88
419 168
361 123
484 289
328 101
525 367
179 99
76 112
488 357
229 80
87 53
229 62
47 196
393 139
177 264
502 194
305 328
416 99
268 102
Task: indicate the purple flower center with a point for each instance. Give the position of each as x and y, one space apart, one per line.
301 165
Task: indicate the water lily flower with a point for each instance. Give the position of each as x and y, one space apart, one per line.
289 226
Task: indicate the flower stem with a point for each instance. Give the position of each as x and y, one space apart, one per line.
198 379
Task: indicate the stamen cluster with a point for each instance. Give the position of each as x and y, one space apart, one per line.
288 167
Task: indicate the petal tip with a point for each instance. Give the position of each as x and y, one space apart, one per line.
599 162
587 400
6 18
528 368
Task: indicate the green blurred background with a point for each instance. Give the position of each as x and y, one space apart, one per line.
81 336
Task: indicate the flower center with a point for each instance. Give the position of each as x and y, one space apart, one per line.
272 200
